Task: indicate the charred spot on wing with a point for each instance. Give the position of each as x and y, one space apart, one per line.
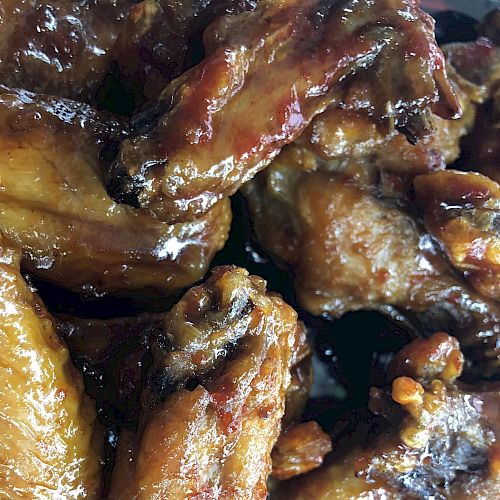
248 307
124 188
415 127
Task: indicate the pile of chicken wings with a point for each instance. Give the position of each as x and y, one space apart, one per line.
368 161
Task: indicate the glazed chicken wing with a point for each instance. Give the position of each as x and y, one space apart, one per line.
277 67
216 394
462 210
350 249
59 47
53 205
49 444
438 438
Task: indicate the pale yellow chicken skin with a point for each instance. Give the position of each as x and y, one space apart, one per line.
50 444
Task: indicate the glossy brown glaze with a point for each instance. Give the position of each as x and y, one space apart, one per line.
438 438
59 47
277 66
50 445
462 210
212 411
351 249
53 205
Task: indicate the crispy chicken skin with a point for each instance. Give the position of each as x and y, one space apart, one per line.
112 352
438 437
60 47
53 204
278 66
49 443
216 396
462 210
351 249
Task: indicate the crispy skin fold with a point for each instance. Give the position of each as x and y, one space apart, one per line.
350 249
53 205
212 409
265 76
49 443
436 437
60 47
462 210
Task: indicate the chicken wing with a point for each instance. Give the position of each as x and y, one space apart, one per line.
462 210
59 47
437 437
351 249
277 67
53 204
216 396
50 444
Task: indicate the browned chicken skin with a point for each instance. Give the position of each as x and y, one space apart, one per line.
212 409
350 249
462 210
438 437
348 137
59 47
49 444
53 205
277 64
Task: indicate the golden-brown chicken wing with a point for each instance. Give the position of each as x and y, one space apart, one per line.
53 205
462 210
351 249
49 443
275 67
59 47
216 396
436 437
